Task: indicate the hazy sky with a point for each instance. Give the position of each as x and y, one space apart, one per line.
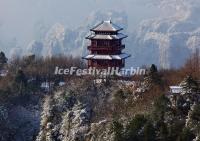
19 17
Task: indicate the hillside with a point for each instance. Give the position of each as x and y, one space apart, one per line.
120 109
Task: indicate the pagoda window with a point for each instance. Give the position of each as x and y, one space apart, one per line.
103 43
103 63
115 43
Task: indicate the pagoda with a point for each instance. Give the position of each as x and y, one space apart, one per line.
106 47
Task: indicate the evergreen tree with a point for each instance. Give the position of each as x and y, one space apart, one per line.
20 77
3 60
161 114
132 132
193 121
152 77
174 128
149 132
29 60
118 131
189 85
160 106
186 135
183 104
20 81
163 131
153 69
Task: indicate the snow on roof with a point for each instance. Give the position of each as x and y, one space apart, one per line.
3 73
61 83
121 56
106 26
98 57
88 56
107 37
46 84
102 57
107 57
176 89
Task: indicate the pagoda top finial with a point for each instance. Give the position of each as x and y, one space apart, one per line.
109 21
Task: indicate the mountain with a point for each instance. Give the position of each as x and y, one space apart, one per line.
66 41
16 52
155 41
35 48
167 42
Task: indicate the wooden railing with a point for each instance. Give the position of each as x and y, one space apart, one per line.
95 65
106 47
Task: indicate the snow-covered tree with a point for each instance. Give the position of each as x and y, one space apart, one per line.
193 119
152 77
189 85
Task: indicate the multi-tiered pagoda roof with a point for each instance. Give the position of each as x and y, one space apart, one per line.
106 46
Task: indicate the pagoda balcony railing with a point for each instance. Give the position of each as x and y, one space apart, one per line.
106 47
120 65
105 66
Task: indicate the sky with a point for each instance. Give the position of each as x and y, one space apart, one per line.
18 18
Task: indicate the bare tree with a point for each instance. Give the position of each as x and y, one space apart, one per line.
192 65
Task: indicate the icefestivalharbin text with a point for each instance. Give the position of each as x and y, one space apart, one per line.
94 71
